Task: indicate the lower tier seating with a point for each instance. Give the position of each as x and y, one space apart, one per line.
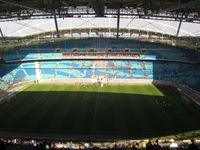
188 74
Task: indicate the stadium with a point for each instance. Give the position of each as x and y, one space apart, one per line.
99 74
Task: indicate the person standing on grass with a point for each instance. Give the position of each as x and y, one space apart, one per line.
157 146
135 146
2 144
149 145
193 145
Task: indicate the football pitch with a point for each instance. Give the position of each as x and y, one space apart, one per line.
126 111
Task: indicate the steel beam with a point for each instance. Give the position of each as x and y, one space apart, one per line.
111 14
118 22
20 4
98 6
1 33
182 5
179 26
56 25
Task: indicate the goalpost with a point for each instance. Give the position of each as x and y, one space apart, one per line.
102 80
99 80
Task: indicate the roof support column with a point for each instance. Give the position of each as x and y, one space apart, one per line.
56 24
1 33
118 22
179 26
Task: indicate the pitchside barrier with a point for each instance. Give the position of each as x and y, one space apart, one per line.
8 93
95 80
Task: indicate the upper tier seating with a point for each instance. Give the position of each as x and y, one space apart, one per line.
146 50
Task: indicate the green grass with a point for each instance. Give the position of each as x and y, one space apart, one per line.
128 89
125 111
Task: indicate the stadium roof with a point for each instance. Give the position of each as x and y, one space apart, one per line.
155 6
179 15
185 10
28 27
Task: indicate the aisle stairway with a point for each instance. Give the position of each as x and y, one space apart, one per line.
56 69
144 68
25 72
37 70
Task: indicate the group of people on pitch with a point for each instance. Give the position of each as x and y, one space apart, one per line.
172 146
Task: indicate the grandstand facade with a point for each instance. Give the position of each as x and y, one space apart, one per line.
70 59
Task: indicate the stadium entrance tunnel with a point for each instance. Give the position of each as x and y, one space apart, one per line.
99 114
